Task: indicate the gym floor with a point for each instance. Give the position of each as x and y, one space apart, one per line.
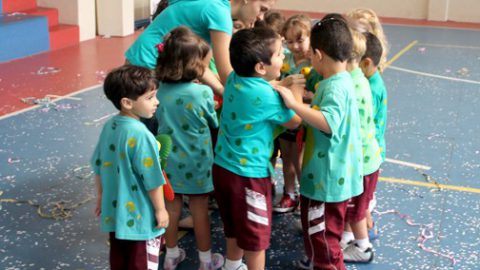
428 193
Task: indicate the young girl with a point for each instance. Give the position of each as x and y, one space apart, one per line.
369 18
296 32
186 112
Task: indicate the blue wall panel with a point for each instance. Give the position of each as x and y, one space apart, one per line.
23 35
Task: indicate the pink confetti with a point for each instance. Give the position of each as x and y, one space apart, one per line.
13 160
426 233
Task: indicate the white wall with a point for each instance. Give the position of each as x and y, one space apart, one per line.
115 17
76 12
441 10
464 10
142 9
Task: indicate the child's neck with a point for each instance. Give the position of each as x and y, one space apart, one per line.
298 59
332 67
352 65
129 113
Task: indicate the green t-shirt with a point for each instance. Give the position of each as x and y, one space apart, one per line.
379 95
201 16
371 151
127 159
332 164
251 113
186 112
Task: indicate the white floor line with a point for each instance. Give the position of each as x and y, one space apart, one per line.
408 164
448 46
433 75
60 98
65 97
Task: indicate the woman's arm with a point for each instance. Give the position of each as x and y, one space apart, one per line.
220 44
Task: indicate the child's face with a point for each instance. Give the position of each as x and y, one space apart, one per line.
273 70
254 10
368 67
298 45
145 105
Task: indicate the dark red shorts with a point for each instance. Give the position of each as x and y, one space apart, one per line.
358 206
245 206
134 254
323 225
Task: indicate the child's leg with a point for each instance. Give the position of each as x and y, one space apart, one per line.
174 209
134 255
290 158
201 221
255 259
322 229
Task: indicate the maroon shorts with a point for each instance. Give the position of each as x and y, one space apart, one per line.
322 225
134 254
358 206
245 206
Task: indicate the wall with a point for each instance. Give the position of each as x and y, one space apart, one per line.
441 10
77 12
142 9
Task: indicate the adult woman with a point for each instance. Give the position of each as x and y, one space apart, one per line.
210 19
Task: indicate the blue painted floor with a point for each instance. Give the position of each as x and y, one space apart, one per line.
433 121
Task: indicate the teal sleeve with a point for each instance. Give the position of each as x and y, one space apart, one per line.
218 17
276 110
209 108
333 109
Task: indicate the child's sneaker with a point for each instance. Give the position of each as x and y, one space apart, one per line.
216 263
241 267
353 254
172 263
344 246
286 204
304 263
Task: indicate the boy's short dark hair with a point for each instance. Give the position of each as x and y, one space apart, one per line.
374 48
251 46
128 81
182 57
332 36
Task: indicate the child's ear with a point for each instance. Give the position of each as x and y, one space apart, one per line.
365 63
260 69
126 103
318 54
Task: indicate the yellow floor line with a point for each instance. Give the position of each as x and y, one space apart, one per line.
400 53
429 185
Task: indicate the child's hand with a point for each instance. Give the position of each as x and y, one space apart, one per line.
296 80
98 206
161 215
287 96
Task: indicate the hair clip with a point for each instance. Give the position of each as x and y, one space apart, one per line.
160 47
326 20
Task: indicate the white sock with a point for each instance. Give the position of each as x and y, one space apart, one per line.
232 265
291 195
205 256
173 252
363 244
347 237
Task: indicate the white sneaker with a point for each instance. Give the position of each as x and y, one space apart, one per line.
344 246
241 267
172 263
353 254
216 263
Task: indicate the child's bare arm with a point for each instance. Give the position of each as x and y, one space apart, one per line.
297 92
98 206
313 117
161 214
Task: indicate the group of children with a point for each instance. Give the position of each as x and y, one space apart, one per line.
322 95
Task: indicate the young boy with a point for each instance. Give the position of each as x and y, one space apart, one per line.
127 172
332 170
355 243
242 171
369 65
